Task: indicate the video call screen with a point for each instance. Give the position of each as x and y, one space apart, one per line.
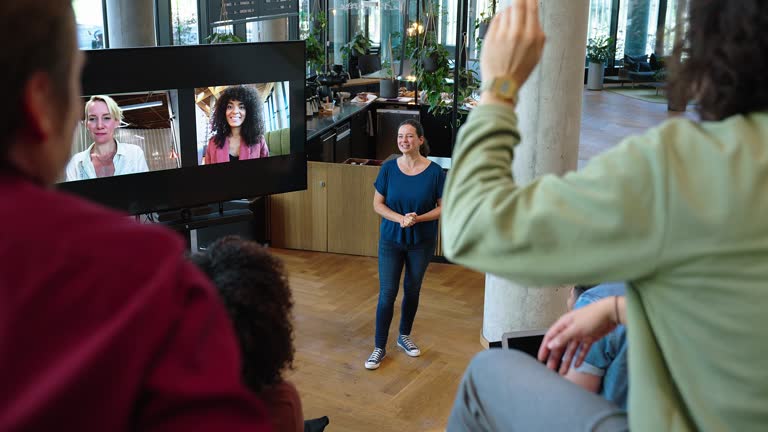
242 122
125 134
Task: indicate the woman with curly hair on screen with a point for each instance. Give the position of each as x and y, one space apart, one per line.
238 126
253 286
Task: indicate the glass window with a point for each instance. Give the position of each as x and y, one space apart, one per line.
599 19
675 24
304 14
391 29
448 14
338 30
636 33
184 22
276 112
371 19
89 15
224 29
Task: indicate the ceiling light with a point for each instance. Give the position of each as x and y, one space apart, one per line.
142 105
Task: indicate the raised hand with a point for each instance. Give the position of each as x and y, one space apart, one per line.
514 42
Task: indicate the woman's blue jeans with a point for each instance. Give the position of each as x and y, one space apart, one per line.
392 258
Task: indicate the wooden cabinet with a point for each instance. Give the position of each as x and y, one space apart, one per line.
353 226
298 220
335 213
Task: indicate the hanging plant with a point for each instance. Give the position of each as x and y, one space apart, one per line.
218 38
223 37
314 46
482 22
359 45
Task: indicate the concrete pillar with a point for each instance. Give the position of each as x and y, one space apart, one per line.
549 112
638 14
131 23
273 30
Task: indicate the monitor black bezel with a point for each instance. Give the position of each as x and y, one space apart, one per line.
185 68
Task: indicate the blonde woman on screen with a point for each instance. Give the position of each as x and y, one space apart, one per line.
105 157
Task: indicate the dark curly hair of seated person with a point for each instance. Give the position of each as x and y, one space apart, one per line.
253 127
255 291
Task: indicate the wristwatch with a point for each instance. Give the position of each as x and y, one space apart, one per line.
502 87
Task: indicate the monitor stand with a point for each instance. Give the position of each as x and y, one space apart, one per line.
188 221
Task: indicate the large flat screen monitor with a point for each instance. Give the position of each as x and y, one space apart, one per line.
176 127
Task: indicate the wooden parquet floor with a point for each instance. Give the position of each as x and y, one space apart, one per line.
334 317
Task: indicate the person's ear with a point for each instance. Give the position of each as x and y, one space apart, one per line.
37 109
35 150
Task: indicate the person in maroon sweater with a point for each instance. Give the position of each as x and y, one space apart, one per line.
104 326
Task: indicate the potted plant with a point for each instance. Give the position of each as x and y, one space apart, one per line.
411 43
359 45
433 55
599 50
430 52
482 22
388 84
433 78
219 38
354 50
481 25
484 19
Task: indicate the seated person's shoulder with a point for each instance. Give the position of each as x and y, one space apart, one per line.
65 246
86 232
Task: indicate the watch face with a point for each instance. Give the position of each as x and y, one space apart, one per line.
505 87
502 87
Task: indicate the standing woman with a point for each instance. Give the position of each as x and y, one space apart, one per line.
408 193
105 157
238 126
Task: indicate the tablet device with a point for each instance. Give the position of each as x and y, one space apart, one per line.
527 341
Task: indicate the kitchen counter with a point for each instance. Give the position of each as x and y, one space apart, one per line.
318 124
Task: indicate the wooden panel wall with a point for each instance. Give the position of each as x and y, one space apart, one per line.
298 220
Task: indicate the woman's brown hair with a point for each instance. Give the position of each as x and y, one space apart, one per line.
724 58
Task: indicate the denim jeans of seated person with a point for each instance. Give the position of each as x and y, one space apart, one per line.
508 390
393 257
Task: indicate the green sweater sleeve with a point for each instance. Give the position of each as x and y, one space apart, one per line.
605 222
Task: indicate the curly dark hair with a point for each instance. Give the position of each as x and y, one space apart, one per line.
723 58
253 127
255 291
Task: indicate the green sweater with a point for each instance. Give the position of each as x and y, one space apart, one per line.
681 213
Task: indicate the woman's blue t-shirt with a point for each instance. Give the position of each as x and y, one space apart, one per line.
409 194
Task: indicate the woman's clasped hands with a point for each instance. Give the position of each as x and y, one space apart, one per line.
409 219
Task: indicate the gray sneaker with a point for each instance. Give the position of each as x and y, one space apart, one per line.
410 348
374 361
